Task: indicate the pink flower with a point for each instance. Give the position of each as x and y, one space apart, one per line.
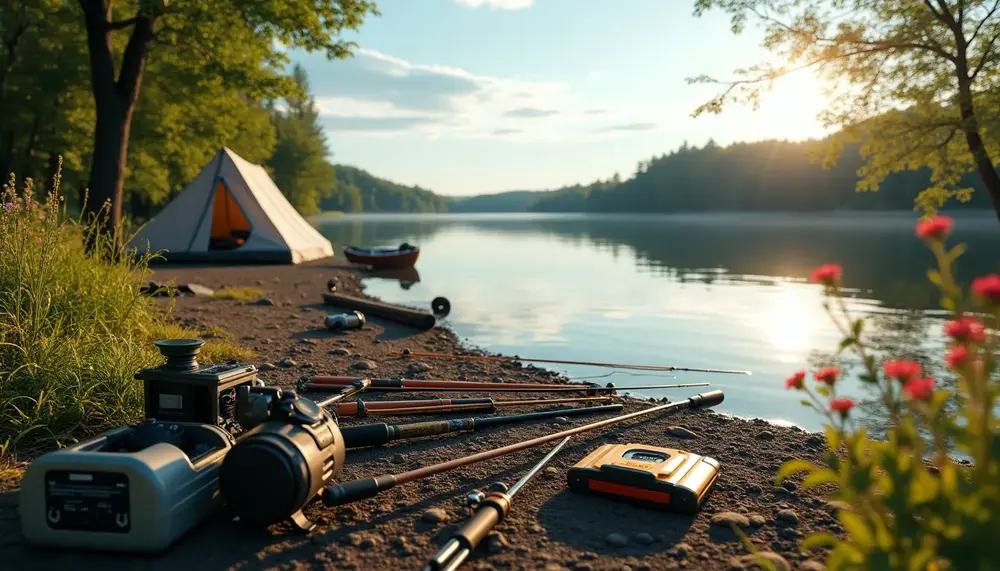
902 370
828 375
841 405
919 389
935 228
795 381
965 329
987 287
827 274
957 356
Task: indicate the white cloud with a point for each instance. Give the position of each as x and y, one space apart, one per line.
497 4
380 95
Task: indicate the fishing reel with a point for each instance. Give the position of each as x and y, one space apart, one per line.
292 448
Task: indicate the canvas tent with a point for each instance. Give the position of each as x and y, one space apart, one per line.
232 212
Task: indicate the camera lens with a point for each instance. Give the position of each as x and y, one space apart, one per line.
181 354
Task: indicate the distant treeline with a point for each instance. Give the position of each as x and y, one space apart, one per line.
356 190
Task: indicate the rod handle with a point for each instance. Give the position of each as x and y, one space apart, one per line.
709 399
491 512
355 490
367 435
432 427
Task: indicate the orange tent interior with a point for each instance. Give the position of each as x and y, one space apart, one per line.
230 227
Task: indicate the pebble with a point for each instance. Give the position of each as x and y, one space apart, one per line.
757 520
434 515
560 420
307 341
728 519
267 367
352 538
368 541
680 432
398 459
765 435
789 533
306 366
812 565
749 561
496 542
287 363
264 301
616 540
340 352
682 550
790 486
418 367
814 440
551 471
364 365
834 506
643 538
403 545
754 489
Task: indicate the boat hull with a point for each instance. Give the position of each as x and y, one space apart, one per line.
380 259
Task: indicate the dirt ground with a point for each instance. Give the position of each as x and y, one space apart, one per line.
549 527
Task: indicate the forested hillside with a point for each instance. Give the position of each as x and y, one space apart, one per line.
357 190
511 201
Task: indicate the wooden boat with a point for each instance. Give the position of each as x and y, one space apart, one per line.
405 256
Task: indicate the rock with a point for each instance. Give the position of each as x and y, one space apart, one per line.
368 541
754 489
354 538
398 459
789 533
364 365
264 301
306 341
812 565
834 506
340 352
750 563
496 542
306 366
417 368
682 550
643 538
765 435
560 420
729 519
757 520
616 540
286 363
790 486
267 367
680 432
319 539
551 471
434 515
813 440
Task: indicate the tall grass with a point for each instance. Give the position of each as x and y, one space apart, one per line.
74 327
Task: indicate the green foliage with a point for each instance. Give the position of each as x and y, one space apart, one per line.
914 82
510 201
912 505
239 293
354 185
299 162
74 328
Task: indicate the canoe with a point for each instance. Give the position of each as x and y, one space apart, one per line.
404 256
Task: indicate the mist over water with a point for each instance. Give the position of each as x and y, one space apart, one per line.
702 290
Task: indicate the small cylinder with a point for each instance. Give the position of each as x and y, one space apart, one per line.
345 321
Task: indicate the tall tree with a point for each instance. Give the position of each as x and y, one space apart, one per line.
915 81
235 40
299 164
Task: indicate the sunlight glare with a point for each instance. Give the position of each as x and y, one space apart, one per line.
788 322
794 102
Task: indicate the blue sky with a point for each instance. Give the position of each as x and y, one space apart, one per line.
478 96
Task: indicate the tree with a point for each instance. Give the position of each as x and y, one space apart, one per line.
299 163
235 41
915 82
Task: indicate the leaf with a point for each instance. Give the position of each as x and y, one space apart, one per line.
818 477
845 343
823 390
858 326
804 402
858 529
832 438
934 277
955 252
819 539
793 467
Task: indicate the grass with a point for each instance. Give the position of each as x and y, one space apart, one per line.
239 293
74 327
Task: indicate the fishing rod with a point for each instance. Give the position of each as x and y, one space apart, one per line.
665 368
475 530
360 408
325 382
339 494
379 434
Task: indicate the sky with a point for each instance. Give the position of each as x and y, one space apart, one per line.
480 96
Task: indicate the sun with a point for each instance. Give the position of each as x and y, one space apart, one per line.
793 104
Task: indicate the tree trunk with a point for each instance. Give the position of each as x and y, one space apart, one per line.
115 101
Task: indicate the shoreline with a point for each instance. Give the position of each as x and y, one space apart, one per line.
549 526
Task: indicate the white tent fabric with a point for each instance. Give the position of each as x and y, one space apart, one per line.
182 231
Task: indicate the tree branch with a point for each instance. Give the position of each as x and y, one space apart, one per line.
134 59
979 26
984 57
123 24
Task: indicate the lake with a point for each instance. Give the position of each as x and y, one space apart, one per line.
725 291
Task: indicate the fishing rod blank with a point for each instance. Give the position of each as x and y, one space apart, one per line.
665 368
491 511
326 382
335 495
360 408
379 434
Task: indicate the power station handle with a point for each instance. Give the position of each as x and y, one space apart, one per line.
705 400
357 490
367 435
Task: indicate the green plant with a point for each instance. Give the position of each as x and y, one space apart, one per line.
908 503
239 293
74 327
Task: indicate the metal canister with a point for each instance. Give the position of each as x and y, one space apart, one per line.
345 321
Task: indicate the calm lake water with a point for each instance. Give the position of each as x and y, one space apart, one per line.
710 291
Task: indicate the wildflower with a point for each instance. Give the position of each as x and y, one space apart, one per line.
901 370
827 274
957 356
936 228
795 381
8 206
987 287
828 375
965 329
919 389
841 405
